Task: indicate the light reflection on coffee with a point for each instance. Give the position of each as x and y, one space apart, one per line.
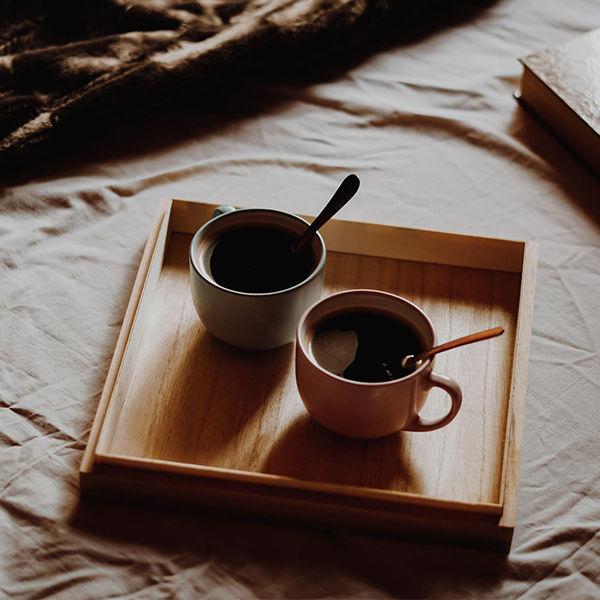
365 345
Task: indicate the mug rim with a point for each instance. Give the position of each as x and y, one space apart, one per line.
195 240
308 355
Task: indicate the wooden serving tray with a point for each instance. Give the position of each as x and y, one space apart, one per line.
186 419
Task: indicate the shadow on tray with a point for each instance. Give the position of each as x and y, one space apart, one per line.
341 461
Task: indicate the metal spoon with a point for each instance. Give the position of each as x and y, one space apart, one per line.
342 195
411 361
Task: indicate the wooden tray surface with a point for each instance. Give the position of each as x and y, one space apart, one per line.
212 424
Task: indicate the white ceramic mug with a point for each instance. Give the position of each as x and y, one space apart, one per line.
243 319
369 410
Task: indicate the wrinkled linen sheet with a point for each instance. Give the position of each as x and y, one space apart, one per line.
432 129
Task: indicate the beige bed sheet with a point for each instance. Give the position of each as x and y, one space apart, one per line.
434 133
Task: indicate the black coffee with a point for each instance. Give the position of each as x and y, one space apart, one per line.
259 260
366 345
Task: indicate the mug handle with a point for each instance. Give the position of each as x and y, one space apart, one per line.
222 210
453 390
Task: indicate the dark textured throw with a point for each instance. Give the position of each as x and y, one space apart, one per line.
71 66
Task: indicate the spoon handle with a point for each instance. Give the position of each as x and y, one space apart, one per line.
467 339
342 195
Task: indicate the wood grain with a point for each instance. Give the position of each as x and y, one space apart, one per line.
185 403
193 399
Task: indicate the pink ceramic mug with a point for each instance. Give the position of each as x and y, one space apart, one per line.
369 410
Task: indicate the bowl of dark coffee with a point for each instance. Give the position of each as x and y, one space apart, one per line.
249 287
365 344
259 260
350 374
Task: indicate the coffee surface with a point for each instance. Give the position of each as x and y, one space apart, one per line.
259 260
364 345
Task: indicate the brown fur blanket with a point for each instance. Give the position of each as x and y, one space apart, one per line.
78 65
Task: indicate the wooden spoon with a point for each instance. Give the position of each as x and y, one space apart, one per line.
410 361
342 195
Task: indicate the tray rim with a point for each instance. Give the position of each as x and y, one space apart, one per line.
282 481
504 510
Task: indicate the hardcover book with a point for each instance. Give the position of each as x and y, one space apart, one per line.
561 85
